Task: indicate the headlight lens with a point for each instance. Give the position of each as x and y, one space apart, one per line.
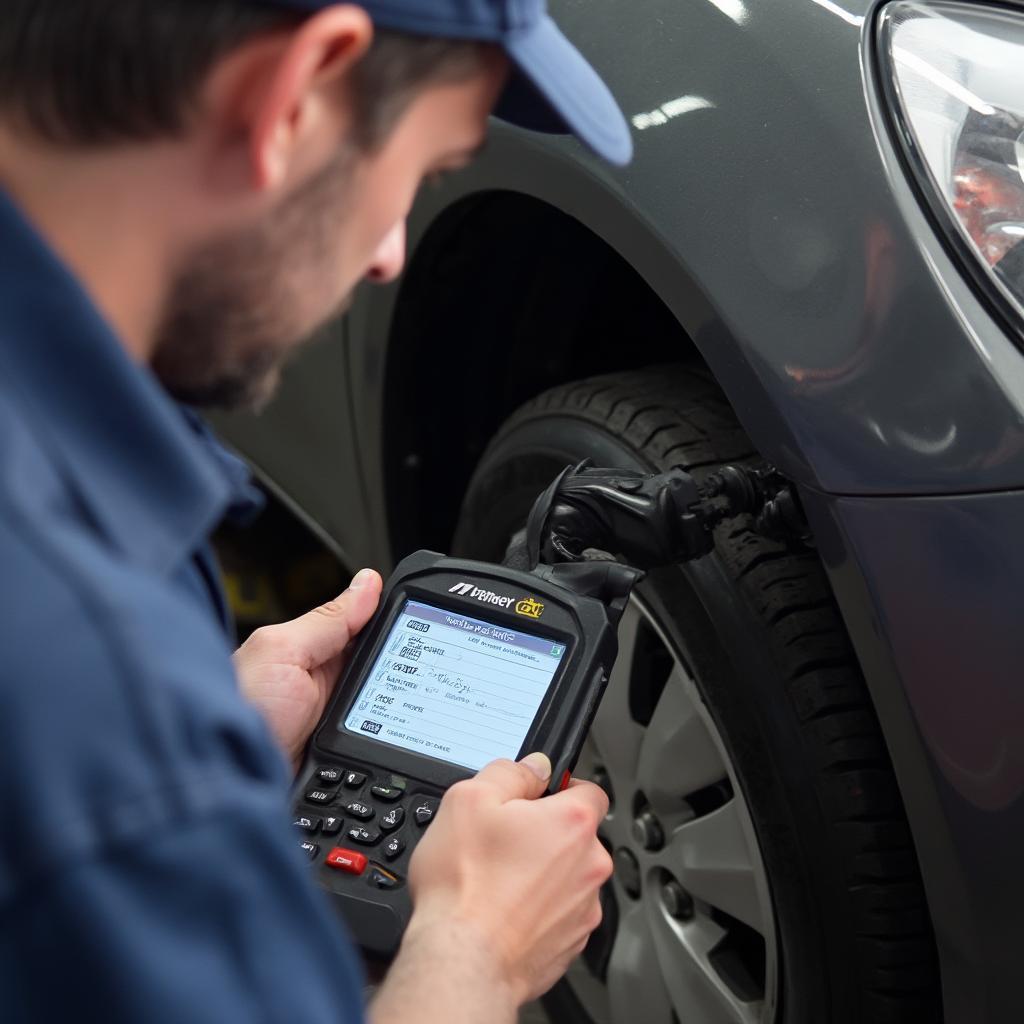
957 77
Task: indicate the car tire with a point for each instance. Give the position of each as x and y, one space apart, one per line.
756 626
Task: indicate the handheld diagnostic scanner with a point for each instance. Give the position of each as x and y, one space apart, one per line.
464 662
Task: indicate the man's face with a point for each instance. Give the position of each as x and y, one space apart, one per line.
242 302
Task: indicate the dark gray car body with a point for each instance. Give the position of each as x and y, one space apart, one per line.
769 212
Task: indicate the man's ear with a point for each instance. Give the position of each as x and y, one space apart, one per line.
282 94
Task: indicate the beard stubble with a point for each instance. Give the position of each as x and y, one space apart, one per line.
235 311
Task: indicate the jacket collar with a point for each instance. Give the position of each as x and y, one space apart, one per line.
137 462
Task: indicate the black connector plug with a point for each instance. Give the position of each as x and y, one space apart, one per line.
649 520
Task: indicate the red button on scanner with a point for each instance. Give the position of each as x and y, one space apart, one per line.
346 860
566 777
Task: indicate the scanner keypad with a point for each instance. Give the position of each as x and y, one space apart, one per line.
381 814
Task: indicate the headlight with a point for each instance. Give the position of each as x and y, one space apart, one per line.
956 78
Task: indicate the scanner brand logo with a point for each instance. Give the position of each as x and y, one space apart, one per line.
479 594
530 607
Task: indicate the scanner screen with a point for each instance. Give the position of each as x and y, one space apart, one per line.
453 687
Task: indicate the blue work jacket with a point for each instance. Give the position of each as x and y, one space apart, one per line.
148 869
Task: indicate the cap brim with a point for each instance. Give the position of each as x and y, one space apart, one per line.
554 89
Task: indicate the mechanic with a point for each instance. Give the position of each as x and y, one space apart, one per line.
190 187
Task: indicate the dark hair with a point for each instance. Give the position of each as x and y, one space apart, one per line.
95 72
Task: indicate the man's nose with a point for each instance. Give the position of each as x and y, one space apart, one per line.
389 258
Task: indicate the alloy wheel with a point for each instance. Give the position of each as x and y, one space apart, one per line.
689 932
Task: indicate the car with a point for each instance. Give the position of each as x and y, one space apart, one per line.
815 754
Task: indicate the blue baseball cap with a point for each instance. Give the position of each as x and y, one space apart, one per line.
552 88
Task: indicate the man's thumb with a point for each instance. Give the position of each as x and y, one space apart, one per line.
522 780
324 632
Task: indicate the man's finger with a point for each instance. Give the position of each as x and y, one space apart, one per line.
324 632
522 780
595 796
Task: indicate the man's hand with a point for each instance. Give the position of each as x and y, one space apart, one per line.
288 671
505 893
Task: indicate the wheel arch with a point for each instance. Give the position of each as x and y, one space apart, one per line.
509 292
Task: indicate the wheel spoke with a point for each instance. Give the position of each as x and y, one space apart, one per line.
615 734
636 988
697 992
711 859
677 754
